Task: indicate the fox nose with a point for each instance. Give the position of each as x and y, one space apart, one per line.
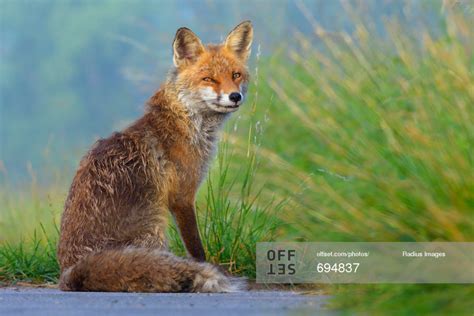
235 97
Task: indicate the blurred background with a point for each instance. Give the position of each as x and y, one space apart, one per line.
73 71
359 126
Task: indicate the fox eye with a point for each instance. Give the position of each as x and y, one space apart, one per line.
236 75
208 79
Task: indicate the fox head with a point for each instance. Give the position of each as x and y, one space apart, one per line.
212 77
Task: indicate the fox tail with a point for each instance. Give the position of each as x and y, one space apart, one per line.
144 270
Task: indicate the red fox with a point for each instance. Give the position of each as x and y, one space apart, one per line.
112 235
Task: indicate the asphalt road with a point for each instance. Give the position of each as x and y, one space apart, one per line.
41 301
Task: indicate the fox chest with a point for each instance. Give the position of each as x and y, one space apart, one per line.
191 164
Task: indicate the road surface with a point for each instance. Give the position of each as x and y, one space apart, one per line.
44 301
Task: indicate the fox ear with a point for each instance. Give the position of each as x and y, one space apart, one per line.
239 40
186 47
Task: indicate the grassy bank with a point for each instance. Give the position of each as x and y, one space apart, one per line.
375 135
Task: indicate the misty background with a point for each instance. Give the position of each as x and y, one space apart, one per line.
74 71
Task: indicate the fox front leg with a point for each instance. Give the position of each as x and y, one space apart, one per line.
185 217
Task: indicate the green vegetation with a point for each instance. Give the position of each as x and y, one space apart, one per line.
349 137
376 137
30 260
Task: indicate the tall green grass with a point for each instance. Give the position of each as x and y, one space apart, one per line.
372 137
30 260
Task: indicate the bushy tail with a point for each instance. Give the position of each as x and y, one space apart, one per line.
144 270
